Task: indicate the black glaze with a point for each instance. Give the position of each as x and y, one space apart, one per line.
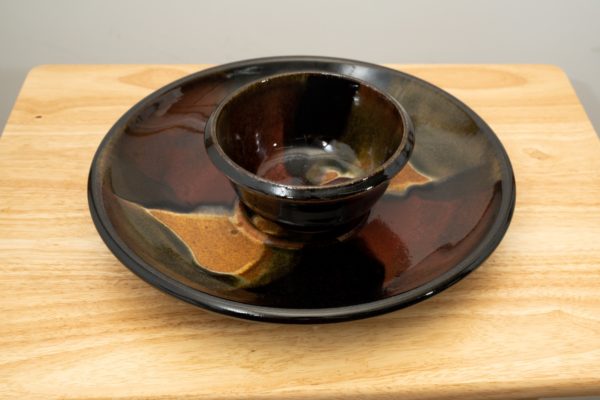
415 243
324 115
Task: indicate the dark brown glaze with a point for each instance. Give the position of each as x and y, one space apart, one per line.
437 221
309 151
311 110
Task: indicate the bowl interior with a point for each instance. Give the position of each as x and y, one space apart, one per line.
309 129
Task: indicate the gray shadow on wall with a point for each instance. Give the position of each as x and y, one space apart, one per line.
590 102
11 80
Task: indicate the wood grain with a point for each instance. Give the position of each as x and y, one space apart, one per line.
77 324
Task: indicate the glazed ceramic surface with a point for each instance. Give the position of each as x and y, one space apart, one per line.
171 217
309 151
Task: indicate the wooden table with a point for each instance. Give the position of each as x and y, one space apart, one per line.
75 323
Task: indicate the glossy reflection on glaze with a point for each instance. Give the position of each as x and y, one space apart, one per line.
309 151
160 199
309 129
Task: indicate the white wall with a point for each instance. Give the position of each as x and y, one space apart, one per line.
565 33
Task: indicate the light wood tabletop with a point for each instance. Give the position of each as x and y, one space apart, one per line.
75 323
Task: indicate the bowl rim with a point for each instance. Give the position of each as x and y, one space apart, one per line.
248 180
